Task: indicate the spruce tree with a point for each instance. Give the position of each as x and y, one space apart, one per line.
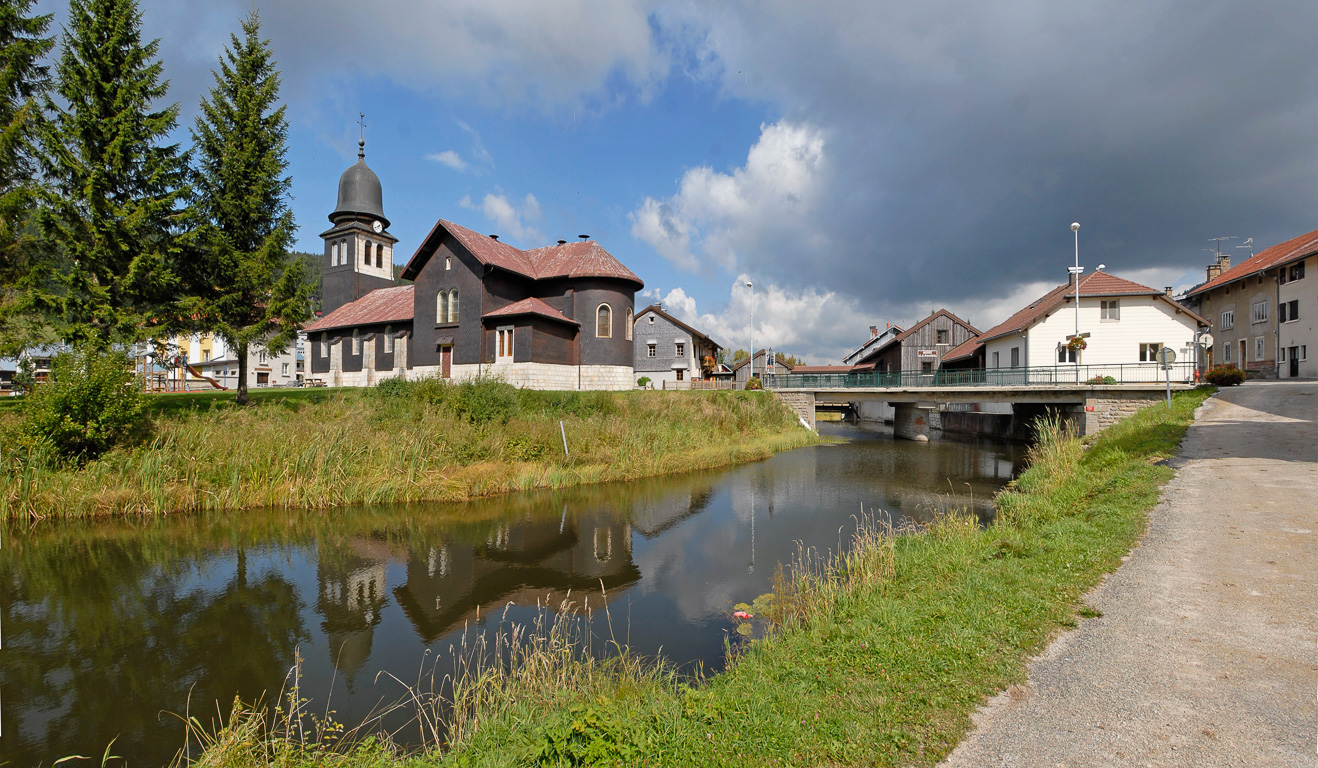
251 288
116 205
23 82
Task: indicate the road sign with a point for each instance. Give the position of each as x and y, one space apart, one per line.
1166 356
1206 339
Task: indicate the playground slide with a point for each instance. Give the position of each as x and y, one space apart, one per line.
198 374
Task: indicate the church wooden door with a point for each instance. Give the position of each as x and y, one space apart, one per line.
446 361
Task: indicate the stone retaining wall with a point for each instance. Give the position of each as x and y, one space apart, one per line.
801 403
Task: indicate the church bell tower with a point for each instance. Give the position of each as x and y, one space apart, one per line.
359 251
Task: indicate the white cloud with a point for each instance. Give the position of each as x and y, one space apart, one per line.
511 220
450 158
729 219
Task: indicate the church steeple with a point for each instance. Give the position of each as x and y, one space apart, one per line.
359 251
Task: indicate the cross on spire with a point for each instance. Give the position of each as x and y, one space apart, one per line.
361 137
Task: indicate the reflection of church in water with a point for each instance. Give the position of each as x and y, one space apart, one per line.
448 583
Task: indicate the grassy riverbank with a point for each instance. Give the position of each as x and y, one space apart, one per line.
428 442
877 659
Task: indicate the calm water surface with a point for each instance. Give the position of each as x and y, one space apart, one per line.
108 627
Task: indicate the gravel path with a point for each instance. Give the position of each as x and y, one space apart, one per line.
1207 650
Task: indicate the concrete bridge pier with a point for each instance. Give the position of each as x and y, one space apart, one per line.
801 403
913 421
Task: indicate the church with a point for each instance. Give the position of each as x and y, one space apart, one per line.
557 317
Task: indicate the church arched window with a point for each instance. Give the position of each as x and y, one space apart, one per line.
379 255
604 322
324 344
356 342
334 254
453 305
388 339
441 307
630 323
343 251
366 259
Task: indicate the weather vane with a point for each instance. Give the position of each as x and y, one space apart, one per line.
361 120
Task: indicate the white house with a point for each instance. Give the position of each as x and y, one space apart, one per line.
1121 323
203 357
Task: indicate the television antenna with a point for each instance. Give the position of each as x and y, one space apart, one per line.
1218 247
1249 243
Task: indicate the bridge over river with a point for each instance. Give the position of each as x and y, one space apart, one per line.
1090 397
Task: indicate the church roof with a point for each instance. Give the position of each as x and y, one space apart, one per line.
383 305
574 260
531 306
359 191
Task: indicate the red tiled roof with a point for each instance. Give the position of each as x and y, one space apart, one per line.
531 307
383 305
584 258
580 259
1092 284
1295 248
964 349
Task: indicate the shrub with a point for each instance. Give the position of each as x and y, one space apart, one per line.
431 390
395 388
482 400
89 405
753 385
1103 380
1227 375
643 381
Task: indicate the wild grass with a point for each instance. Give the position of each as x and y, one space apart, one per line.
322 449
877 656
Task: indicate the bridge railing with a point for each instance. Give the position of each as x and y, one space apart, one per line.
1092 375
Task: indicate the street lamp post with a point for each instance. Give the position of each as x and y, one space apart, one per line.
751 351
1075 272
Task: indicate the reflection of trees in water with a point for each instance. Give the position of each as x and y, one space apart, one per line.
99 639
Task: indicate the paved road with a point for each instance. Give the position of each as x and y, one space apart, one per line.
1207 650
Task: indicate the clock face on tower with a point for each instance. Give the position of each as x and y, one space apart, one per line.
378 227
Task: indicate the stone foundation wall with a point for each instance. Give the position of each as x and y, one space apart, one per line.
801 403
1102 412
524 375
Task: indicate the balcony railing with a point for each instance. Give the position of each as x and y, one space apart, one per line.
1045 376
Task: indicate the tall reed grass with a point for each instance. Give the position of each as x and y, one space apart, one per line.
357 447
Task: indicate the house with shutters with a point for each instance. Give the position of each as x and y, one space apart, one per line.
670 352
557 317
1121 323
1263 309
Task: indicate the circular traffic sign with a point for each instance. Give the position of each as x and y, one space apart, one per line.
1166 355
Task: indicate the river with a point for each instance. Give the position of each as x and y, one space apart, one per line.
108 627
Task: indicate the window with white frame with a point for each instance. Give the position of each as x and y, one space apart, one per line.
356 342
284 369
441 307
1304 352
453 305
1149 352
388 338
1228 320
1288 311
604 322
1226 353
504 342
1281 355
1109 309
651 349
1015 357
261 356
1258 347
1067 355
995 360
324 345
334 254
1258 312
679 349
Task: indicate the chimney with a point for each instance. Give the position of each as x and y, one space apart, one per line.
1168 289
1224 261
874 331
494 237
1214 270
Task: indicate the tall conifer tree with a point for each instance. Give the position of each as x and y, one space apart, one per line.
23 82
116 206
250 287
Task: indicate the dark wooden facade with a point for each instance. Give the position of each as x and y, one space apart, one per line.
922 346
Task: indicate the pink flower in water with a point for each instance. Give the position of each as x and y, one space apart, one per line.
742 615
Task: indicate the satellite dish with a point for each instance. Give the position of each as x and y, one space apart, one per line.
1206 339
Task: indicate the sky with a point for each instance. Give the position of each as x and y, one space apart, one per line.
861 162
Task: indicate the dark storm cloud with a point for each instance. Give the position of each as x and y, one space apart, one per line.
964 138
